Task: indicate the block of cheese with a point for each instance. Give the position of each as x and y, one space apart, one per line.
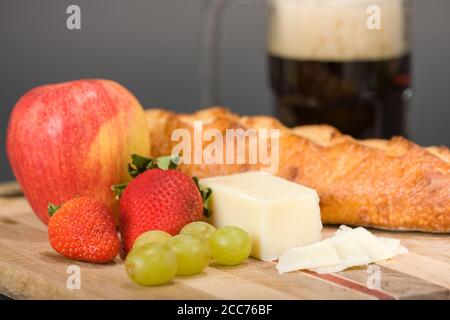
278 214
347 248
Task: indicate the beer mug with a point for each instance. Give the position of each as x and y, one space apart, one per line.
340 62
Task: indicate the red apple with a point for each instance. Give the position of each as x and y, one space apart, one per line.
74 138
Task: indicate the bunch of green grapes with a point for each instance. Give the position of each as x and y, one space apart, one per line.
156 256
229 245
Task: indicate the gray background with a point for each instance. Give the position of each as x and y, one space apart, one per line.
153 48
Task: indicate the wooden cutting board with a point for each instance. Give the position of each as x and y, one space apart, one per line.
30 269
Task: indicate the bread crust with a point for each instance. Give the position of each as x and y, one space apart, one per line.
389 184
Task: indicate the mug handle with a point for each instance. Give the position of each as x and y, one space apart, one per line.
210 49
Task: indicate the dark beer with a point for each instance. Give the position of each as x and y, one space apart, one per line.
361 98
329 64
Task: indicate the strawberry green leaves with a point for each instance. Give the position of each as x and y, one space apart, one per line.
206 197
52 208
118 189
140 164
167 162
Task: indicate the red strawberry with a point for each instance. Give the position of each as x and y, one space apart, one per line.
83 229
157 200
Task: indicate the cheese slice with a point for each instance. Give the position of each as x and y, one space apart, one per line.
277 213
373 247
394 244
350 255
320 254
354 247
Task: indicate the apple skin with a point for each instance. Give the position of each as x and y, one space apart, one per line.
74 138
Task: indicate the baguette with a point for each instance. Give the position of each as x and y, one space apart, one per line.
389 184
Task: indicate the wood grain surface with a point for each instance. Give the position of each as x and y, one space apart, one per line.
30 269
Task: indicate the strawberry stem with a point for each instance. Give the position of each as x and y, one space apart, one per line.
52 208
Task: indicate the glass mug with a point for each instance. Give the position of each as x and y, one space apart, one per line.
341 62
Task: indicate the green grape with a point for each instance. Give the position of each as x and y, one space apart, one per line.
230 245
199 228
151 264
153 236
192 253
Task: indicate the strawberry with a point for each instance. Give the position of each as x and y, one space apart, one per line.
158 198
83 229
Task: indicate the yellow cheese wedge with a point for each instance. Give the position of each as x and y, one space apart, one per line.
277 213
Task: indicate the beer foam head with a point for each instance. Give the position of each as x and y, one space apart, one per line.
336 30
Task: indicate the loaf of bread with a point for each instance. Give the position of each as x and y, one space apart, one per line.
389 184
